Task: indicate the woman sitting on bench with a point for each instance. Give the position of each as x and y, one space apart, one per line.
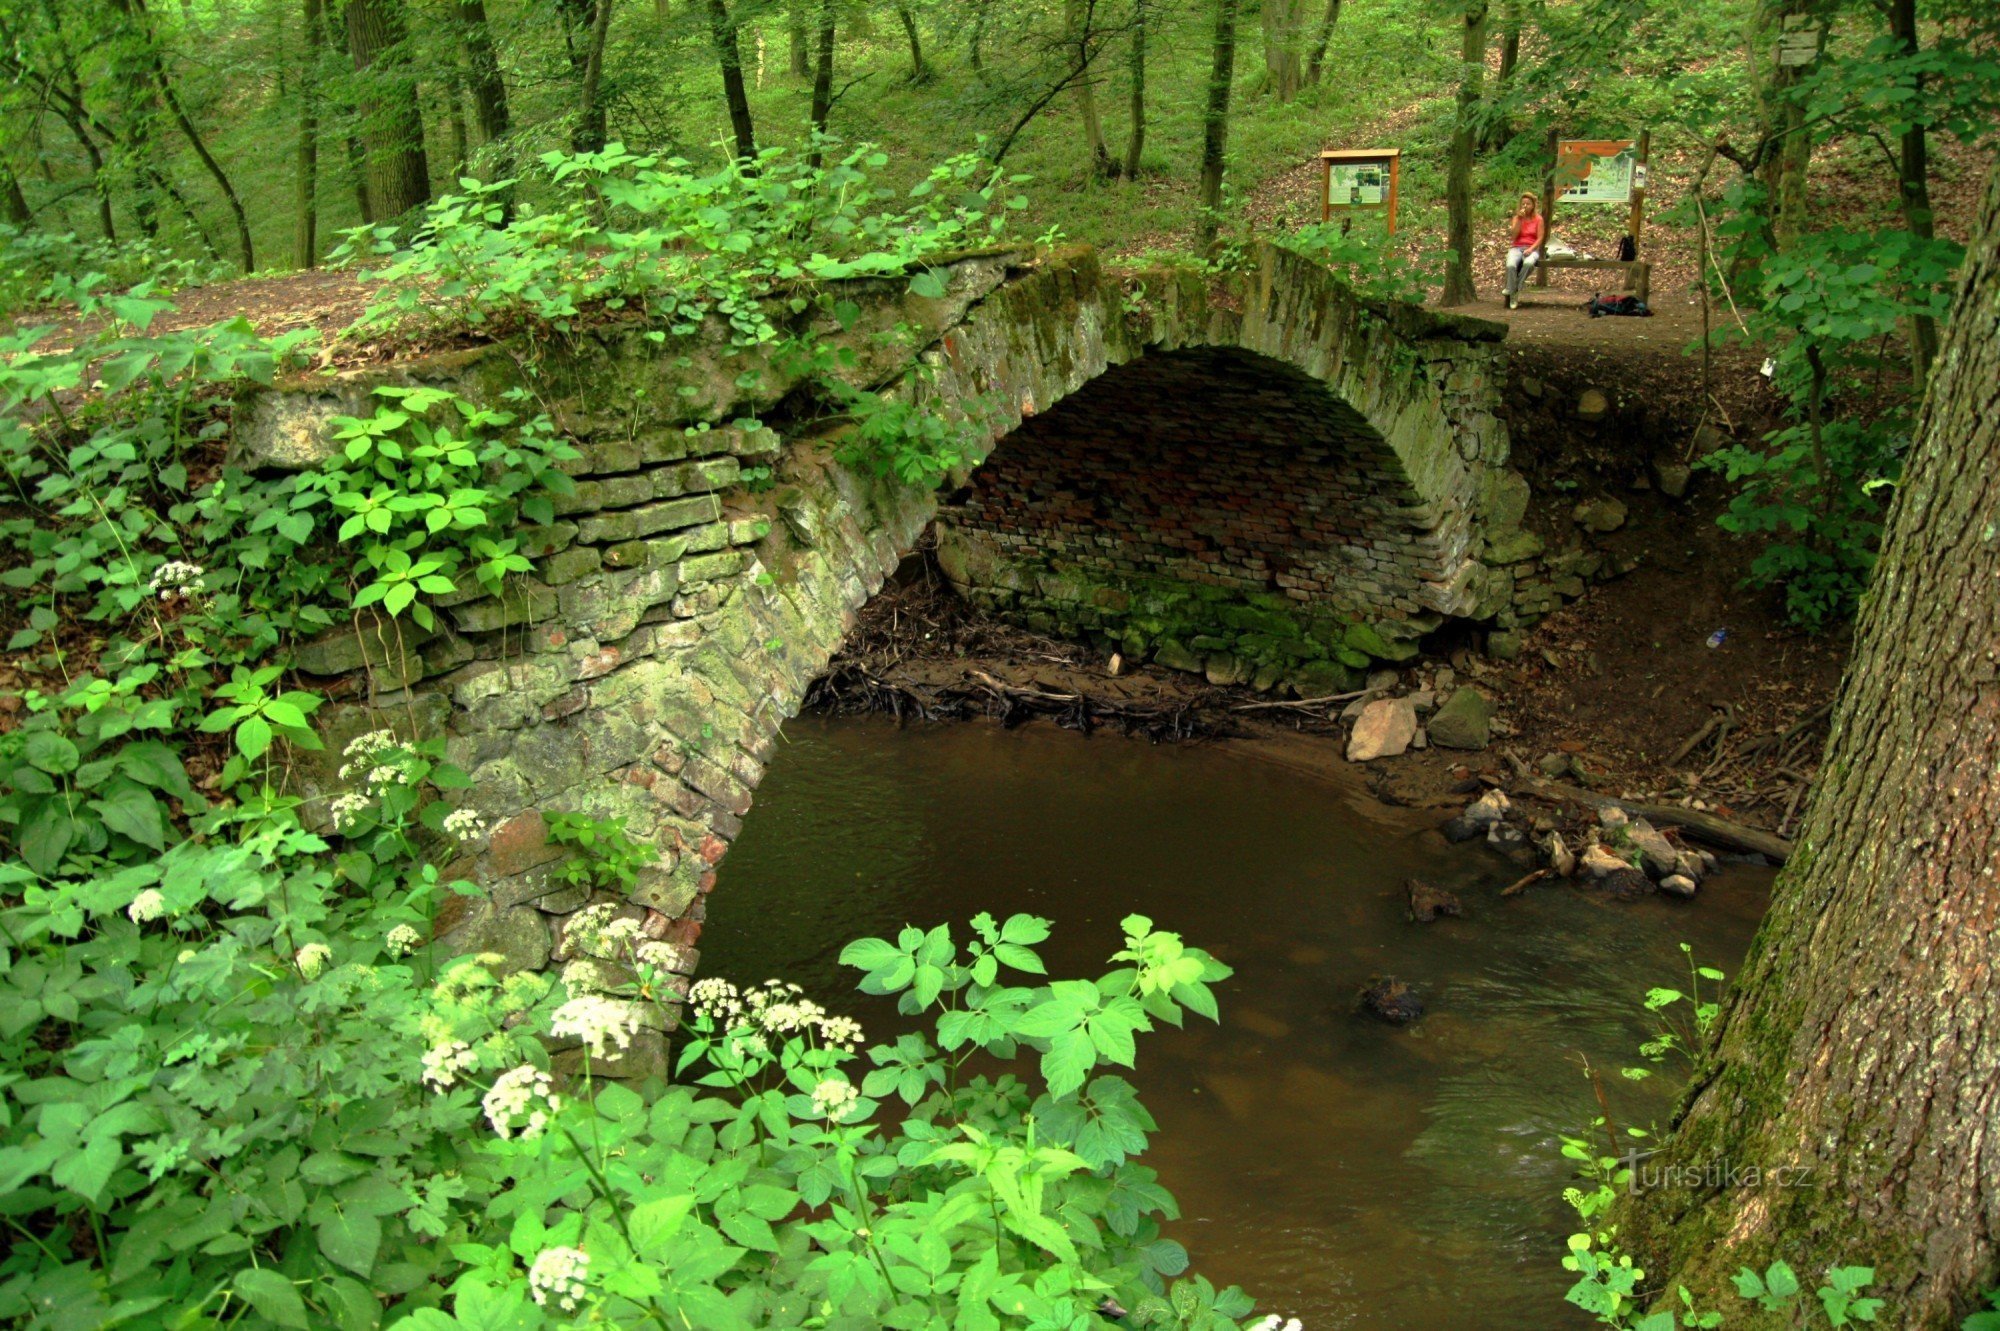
1525 249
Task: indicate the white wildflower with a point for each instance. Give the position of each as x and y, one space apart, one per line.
840 1032
560 1276
464 825
444 1062
312 958
599 1023
834 1099
715 999
347 810
176 580
660 956
593 932
384 775
522 1100
148 905
1275 1323
365 750
402 941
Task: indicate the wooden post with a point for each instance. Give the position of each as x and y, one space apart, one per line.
1395 171
1548 213
1326 190
1637 224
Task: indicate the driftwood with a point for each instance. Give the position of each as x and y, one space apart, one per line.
1701 826
1521 884
1303 704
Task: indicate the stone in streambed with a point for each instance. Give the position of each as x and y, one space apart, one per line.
1657 855
1464 722
1391 1000
1427 902
1383 730
1625 884
1678 885
1599 862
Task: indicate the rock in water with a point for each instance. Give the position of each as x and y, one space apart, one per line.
1599 862
1464 722
1625 884
1383 730
1678 885
1560 858
1657 855
1392 1000
1427 902
1489 808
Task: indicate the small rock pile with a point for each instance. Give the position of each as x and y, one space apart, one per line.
1439 710
1623 856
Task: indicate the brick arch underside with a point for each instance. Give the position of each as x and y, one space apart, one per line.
1211 468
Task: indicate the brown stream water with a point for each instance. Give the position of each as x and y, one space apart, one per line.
1341 1170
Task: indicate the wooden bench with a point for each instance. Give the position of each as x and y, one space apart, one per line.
1638 272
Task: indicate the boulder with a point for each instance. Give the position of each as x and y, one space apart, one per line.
1427 902
1503 644
1672 478
1592 405
1383 730
1657 855
1603 514
1391 1000
1600 863
1678 885
1488 809
1464 722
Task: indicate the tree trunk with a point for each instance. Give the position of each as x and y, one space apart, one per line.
1215 125
357 170
1914 188
591 130
822 93
1499 129
489 92
14 208
399 172
143 27
1135 144
1861 1045
305 233
1458 285
1284 22
1079 18
1321 40
799 39
1786 150
919 71
978 36
722 29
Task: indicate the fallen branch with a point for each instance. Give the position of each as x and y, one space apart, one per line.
1300 703
1692 742
1701 826
1520 884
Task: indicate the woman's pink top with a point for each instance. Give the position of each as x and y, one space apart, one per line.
1528 232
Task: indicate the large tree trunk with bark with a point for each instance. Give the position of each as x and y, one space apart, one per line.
489 95
591 131
1861 1046
1284 43
1215 124
729 55
1458 284
392 118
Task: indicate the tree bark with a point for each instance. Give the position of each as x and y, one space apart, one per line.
591 131
1321 40
1458 285
1284 22
722 31
1215 125
1079 21
489 94
799 40
1862 1042
399 172
1914 188
305 231
822 93
919 71
1786 150
14 208
1498 129
1135 142
143 26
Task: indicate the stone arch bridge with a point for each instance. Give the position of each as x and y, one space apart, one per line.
1265 478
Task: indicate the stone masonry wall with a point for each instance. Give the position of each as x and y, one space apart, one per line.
676 615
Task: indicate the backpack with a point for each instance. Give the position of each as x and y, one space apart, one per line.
1629 305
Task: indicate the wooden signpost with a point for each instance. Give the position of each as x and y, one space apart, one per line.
1598 171
1359 179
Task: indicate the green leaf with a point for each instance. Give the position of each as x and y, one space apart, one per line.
51 753
273 1296
132 811
253 737
928 285
351 1238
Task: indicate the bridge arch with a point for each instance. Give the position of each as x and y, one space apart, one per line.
677 615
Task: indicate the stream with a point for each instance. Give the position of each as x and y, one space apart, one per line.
1351 1173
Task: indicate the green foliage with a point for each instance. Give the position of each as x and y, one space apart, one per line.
1828 303
1673 1034
1368 261
42 268
605 857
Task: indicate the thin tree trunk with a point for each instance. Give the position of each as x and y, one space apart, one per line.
722 29
1079 21
799 39
591 131
143 24
489 93
1321 40
1786 151
1914 189
305 234
392 117
454 115
100 183
1215 125
14 208
978 37
822 93
1498 130
357 167
1135 145
919 71
1860 1049
1458 285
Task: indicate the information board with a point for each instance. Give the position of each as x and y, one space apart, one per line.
1596 170
1357 186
